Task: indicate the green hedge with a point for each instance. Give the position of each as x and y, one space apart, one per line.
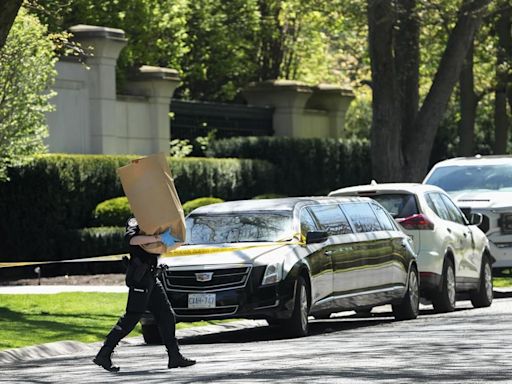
47 200
304 166
112 212
90 242
189 206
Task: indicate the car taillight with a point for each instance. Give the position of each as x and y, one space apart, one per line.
417 221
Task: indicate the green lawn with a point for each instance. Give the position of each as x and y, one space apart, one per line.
87 317
36 319
502 281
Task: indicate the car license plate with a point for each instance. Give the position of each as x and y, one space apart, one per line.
201 300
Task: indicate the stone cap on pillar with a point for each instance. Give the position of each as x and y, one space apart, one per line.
329 97
148 72
278 93
152 81
99 42
93 31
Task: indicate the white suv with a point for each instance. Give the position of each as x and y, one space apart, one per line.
453 253
482 184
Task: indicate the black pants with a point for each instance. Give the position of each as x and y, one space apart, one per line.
158 304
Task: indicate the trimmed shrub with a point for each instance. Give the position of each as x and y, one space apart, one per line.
304 166
54 194
112 212
189 206
268 196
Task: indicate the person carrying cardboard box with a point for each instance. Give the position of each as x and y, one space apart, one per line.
146 292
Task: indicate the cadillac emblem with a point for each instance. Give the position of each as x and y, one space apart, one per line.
204 276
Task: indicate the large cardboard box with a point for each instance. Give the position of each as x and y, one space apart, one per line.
149 187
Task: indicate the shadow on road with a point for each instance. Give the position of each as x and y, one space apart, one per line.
337 323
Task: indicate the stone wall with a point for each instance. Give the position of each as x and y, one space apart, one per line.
92 118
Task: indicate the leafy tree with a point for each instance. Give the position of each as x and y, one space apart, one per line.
220 46
155 28
503 89
221 53
403 129
27 63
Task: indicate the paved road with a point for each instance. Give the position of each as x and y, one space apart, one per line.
467 346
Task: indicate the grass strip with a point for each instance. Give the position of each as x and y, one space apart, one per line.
81 316
502 282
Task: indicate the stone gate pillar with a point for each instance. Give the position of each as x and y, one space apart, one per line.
302 110
288 99
102 46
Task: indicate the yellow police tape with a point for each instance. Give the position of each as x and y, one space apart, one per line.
175 253
25 263
203 251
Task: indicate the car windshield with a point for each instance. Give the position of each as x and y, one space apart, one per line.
239 227
473 177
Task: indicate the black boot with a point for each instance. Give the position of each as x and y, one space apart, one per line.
176 359
103 359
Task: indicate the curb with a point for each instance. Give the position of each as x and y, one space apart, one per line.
67 347
502 293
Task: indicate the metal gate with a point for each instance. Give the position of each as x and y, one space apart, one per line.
190 119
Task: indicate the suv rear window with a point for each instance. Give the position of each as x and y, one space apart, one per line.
399 205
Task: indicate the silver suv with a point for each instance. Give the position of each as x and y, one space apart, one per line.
482 184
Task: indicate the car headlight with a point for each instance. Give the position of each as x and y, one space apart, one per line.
273 274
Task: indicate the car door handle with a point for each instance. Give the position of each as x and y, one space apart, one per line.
328 253
465 234
449 230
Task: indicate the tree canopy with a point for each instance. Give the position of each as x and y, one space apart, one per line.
431 69
27 68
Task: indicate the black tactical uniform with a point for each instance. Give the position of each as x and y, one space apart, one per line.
145 293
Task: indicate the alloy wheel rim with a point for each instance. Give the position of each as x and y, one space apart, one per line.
488 281
414 290
450 285
303 307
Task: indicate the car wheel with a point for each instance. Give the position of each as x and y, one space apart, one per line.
297 325
410 305
444 300
482 297
151 334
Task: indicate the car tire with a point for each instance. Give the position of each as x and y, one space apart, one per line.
482 297
444 300
297 325
409 307
151 334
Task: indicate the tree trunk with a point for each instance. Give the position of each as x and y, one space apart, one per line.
387 159
468 104
431 112
407 63
8 13
503 82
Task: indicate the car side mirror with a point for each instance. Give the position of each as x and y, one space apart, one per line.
475 219
316 237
